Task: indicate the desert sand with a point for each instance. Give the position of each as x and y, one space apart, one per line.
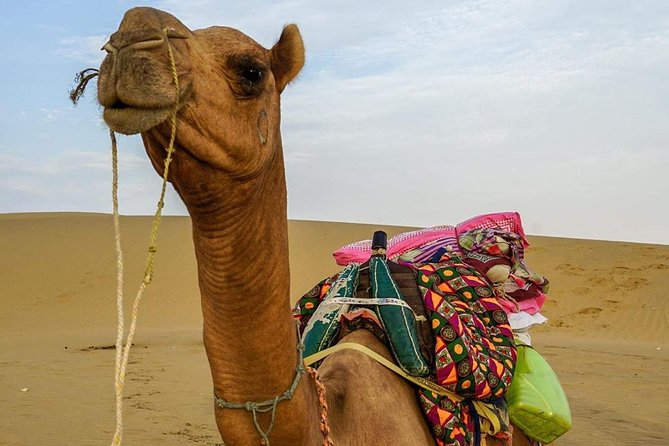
607 336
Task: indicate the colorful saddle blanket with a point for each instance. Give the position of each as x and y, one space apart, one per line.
474 351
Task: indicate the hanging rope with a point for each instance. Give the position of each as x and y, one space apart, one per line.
322 407
123 352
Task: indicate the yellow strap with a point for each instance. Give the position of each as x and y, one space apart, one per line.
490 422
482 409
422 382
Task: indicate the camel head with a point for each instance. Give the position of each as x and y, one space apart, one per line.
228 117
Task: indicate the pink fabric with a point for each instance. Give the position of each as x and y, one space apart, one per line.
407 241
431 239
360 251
446 235
506 221
531 306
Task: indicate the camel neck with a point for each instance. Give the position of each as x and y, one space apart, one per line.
242 257
249 333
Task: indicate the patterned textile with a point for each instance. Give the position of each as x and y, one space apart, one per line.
421 244
474 350
308 304
475 353
503 221
323 328
360 251
524 290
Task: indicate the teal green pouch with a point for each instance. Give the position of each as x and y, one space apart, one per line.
324 326
398 321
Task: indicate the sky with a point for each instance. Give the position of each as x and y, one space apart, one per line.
415 113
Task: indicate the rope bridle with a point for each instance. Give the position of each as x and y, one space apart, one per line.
123 351
270 405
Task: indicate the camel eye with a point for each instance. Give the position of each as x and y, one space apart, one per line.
252 75
248 75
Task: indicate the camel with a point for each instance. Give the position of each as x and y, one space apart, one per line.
228 169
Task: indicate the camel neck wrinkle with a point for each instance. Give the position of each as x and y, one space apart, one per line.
244 282
238 244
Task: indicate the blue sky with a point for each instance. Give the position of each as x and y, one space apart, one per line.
410 113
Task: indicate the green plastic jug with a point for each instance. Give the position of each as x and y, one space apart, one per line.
536 401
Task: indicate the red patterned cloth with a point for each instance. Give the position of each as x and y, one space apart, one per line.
474 349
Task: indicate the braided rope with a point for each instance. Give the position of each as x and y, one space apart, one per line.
322 407
123 354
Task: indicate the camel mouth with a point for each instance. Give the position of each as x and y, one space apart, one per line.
132 120
119 105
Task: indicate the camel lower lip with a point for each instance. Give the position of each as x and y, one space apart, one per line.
130 121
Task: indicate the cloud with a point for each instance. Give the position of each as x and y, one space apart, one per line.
84 49
480 105
434 111
55 115
80 181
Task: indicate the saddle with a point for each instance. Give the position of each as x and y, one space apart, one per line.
458 335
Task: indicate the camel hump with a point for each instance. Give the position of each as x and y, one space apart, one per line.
287 56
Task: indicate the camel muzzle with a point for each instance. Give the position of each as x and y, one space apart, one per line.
135 85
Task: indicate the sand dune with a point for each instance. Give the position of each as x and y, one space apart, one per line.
607 338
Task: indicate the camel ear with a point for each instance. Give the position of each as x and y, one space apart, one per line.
287 56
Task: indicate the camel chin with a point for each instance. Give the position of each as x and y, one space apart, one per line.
131 121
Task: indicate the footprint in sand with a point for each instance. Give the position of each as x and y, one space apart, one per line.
582 290
611 303
590 310
660 266
599 280
626 269
634 282
144 378
194 433
92 348
145 405
558 323
569 268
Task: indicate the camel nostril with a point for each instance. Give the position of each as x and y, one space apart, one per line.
174 34
108 48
